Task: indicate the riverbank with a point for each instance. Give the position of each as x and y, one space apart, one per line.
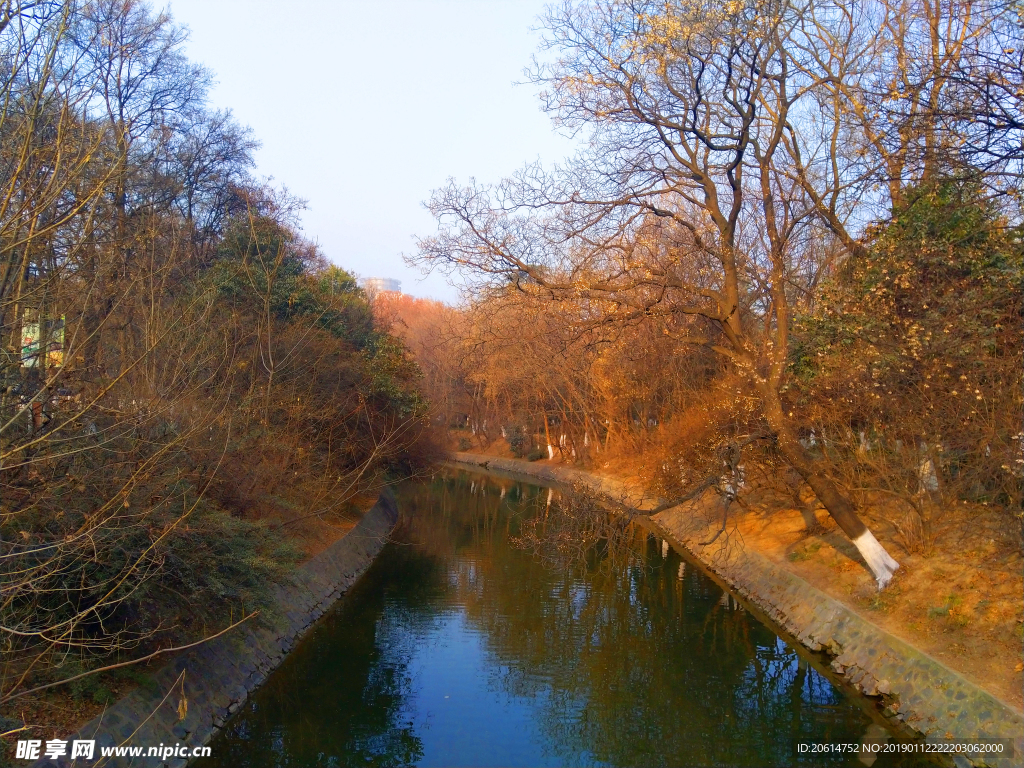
193 695
915 688
464 644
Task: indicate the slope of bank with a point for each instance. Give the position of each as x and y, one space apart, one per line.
195 693
915 688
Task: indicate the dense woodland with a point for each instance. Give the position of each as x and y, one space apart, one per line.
186 384
791 241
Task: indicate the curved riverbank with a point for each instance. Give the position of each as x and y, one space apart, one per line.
215 678
463 644
915 688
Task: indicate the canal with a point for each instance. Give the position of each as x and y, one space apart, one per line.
463 647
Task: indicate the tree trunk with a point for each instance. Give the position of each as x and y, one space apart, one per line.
547 438
879 562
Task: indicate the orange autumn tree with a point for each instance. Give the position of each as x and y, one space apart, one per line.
736 153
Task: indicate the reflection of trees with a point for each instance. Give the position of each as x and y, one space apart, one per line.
634 665
342 697
584 535
639 660
779 686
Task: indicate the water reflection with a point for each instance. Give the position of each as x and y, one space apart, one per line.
459 649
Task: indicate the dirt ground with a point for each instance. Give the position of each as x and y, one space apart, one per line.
962 601
316 534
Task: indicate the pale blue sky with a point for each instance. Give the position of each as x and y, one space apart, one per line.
364 107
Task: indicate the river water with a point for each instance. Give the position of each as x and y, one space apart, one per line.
460 648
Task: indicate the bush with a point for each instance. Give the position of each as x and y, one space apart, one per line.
909 368
517 440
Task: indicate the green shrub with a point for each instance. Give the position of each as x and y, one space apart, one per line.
517 440
103 695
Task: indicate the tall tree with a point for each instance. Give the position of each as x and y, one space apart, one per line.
715 180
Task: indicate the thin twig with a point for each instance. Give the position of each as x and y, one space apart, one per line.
128 663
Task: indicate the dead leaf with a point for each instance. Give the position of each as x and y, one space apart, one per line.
182 708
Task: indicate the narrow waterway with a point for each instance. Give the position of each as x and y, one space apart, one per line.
459 648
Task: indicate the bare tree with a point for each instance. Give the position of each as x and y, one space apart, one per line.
687 203
179 370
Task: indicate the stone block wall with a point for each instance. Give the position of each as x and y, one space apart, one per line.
917 690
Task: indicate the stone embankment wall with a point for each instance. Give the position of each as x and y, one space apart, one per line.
915 689
217 677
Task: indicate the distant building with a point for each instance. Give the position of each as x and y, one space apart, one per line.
380 285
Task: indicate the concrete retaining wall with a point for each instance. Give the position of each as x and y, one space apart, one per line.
917 690
220 674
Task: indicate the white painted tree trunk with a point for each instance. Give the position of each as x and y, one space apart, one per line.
881 564
927 479
864 445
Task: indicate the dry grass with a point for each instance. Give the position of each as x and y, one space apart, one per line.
960 601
